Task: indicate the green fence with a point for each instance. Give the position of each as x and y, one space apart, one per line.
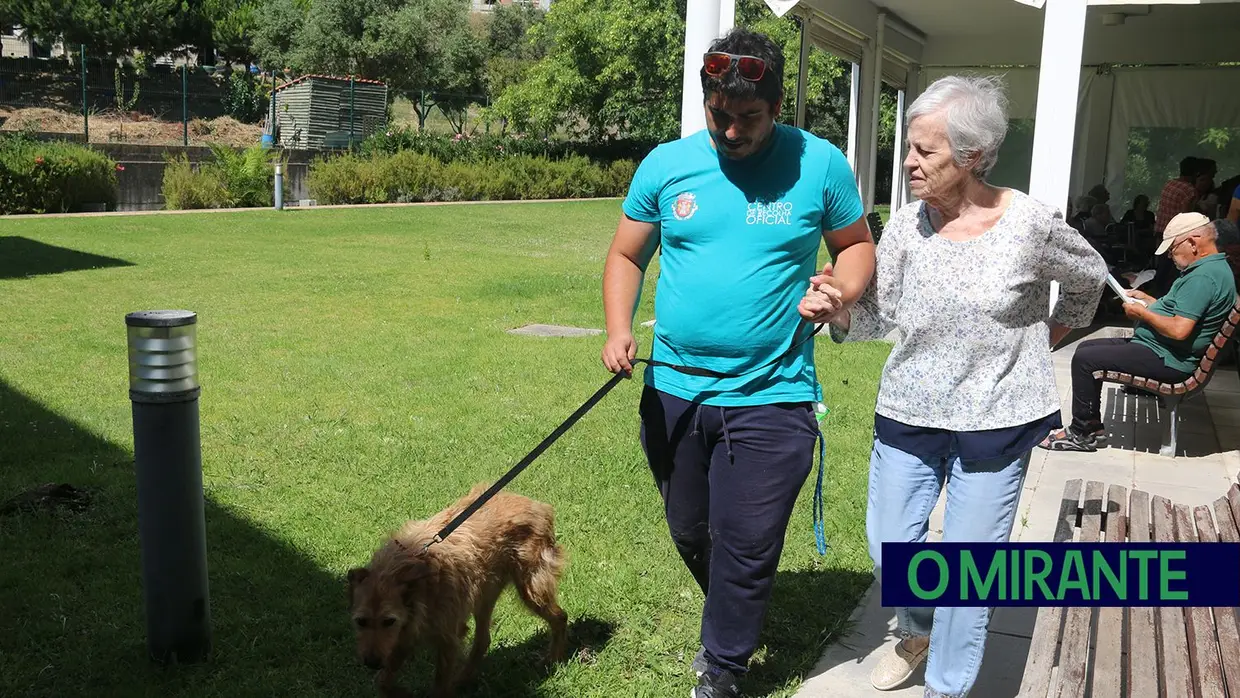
103 100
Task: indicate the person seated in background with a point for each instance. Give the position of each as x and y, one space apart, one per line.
1207 202
1081 212
1140 215
1228 234
1229 244
1099 194
1233 212
1099 219
1171 335
1178 195
1095 231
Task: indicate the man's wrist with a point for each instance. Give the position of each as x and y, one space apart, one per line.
620 331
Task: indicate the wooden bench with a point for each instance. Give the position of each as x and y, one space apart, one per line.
1169 652
1175 393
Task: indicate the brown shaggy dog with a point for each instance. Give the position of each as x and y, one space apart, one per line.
407 596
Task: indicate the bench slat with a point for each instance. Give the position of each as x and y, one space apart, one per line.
1036 682
1109 643
1074 654
1224 618
1233 502
1172 635
1227 532
1199 622
1142 645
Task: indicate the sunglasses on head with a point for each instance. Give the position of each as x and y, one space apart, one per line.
717 64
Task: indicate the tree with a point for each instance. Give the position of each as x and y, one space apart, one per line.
507 32
107 27
510 52
9 16
614 68
275 34
234 24
607 71
417 47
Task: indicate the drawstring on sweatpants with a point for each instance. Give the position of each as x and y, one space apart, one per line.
727 438
820 533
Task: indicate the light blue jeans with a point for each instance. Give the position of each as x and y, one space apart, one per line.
981 506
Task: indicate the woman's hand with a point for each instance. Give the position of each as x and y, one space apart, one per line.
824 300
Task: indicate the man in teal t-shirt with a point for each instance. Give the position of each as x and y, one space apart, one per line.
738 211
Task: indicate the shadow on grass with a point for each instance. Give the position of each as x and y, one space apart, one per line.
516 671
71 599
22 257
809 610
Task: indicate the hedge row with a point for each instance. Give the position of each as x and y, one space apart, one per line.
53 177
486 147
408 176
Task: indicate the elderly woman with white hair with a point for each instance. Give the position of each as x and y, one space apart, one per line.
968 391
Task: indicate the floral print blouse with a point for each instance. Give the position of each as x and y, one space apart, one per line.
972 346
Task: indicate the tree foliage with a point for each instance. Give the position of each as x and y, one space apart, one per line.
414 47
275 36
607 71
105 27
234 24
613 68
510 53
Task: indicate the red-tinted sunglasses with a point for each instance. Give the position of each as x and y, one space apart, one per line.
717 63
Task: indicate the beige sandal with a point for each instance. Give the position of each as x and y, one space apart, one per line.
896 667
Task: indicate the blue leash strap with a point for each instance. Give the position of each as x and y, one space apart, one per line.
820 534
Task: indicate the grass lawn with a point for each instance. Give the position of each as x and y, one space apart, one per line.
356 373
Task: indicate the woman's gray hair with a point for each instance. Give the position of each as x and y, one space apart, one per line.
975 109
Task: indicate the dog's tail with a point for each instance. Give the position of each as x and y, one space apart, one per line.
554 558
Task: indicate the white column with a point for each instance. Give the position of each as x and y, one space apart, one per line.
803 69
912 90
1063 38
701 28
1059 79
854 100
727 16
865 120
898 176
876 90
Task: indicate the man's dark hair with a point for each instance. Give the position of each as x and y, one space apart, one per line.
1206 166
745 42
1189 166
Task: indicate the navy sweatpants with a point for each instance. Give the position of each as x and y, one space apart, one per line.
729 477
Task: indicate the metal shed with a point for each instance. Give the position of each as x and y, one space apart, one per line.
326 111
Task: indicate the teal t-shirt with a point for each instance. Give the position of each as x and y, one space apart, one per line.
739 241
1205 292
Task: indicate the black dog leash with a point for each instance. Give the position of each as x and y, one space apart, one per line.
588 405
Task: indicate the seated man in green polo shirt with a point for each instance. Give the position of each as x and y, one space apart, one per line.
1172 332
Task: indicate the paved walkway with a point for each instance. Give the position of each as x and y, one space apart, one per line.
1207 462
